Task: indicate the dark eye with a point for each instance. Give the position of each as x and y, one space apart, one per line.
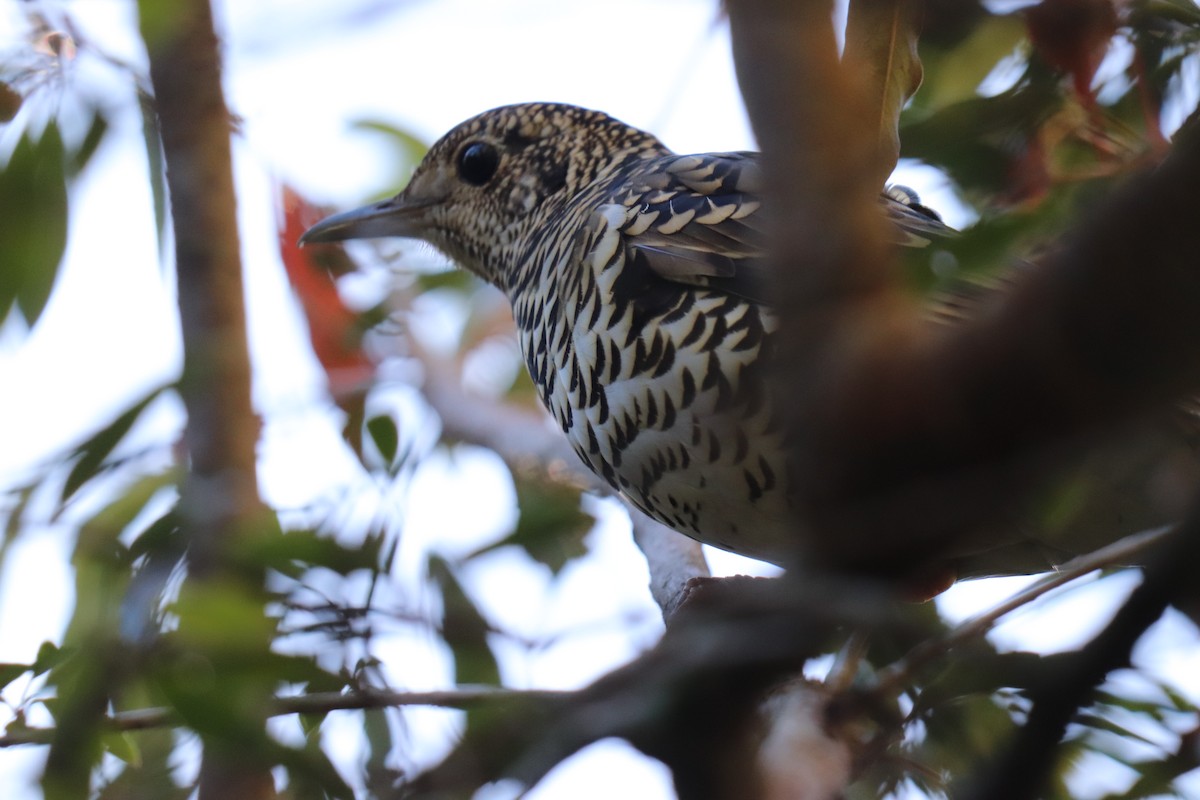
477 163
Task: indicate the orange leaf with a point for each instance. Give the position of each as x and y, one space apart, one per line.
335 330
1073 36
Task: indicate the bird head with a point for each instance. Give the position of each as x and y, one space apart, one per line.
485 186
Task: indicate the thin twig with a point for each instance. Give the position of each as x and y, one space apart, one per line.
1025 768
462 698
899 674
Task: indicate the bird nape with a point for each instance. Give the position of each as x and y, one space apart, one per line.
637 281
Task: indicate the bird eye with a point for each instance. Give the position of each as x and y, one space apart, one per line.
477 163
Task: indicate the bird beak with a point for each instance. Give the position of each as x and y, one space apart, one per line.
394 217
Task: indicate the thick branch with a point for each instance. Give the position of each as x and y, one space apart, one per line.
220 493
219 498
930 436
818 136
936 437
690 702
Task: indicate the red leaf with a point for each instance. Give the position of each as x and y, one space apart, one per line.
1073 36
335 330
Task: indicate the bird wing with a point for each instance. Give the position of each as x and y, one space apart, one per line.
695 219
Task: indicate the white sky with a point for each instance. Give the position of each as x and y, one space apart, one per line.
298 73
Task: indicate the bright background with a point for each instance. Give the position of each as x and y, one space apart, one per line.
298 74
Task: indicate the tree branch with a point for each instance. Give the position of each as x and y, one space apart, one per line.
898 424
219 498
462 698
900 674
1024 769
691 702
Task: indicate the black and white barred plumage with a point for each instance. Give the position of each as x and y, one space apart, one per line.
636 278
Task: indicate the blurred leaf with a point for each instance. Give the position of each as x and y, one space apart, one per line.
381 778
292 552
954 73
980 142
151 775
33 222
1072 36
154 157
49 656
10 102
224 620
122 745
1174 703
464 629
551 527
1157 778
91 142
458 280
158 22
385 436
334 329
977 670
92 453
99 534
961 733
408 148
1099 722
10 672
12 526
163 536
311 774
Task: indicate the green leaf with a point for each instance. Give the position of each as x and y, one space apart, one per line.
12 526
1098 722
552 526
312 774
293 552
91 142
954 73
380 776
1157 778
33 223
458 280
154 161
976 670
10 672
151 774
49 656
100 533
123 746
977 141
464 629
93 452
385 436
408 148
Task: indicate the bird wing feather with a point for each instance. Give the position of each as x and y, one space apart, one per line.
695 220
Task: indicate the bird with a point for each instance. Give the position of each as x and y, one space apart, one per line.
637 280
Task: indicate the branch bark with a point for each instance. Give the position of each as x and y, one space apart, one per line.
219 498
898 425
